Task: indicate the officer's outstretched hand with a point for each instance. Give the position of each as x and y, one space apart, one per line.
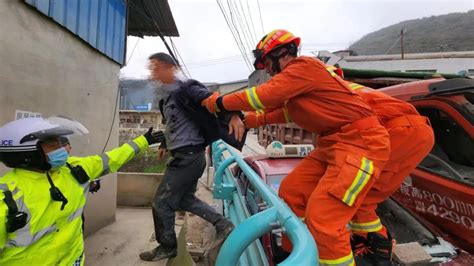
154 137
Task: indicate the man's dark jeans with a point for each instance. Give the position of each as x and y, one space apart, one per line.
176 192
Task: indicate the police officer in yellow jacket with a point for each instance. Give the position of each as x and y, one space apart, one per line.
43 197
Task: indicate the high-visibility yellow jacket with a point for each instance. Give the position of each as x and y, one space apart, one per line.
52 236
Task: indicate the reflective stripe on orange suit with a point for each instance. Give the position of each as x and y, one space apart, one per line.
345 164
411 139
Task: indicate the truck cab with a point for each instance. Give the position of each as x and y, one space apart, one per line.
441 188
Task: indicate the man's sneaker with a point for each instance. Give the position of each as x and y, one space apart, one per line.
158 253
223 229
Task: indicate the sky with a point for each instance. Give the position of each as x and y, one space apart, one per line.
210 53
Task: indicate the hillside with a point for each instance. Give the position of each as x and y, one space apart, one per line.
451 32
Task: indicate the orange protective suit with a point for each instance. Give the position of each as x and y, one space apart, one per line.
352 148
411 139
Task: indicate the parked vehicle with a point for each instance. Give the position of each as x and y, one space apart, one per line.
404 225
441 188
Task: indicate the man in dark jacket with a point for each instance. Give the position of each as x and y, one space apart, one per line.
185 141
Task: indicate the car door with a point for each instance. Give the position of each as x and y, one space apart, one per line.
441 188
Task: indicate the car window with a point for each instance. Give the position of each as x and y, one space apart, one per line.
453 153
274 181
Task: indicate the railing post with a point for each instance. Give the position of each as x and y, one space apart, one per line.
217 151
223 190
244 234
304 248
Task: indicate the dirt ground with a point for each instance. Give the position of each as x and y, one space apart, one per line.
122 241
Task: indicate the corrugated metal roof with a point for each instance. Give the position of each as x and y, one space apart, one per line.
151 18
101 23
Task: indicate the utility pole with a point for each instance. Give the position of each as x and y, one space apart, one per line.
401 43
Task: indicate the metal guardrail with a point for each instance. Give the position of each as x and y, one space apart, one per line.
250 228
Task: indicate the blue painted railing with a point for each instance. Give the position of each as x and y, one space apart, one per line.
240 248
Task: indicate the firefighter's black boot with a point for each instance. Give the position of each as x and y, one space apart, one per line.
380 249
360 250
373 250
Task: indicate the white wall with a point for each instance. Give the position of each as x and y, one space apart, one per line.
44 68
441 65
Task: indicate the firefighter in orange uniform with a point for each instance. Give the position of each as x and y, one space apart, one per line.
352 149
411 139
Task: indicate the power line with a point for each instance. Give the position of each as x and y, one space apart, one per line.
113 119
244 27
228 21
133 50
146 14
233 18
251 22
182 61
175 49
260 13
393 45
234 8
252 37
242 51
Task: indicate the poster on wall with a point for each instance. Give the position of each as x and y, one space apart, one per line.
19 114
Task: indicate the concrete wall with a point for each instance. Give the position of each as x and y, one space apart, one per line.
47 69
137 189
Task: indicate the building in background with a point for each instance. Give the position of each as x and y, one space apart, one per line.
442 62
229 87
137 93
131 119
64 57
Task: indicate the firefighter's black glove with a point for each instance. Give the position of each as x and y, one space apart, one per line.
154 137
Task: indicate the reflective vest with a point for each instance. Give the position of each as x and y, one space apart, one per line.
53 236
